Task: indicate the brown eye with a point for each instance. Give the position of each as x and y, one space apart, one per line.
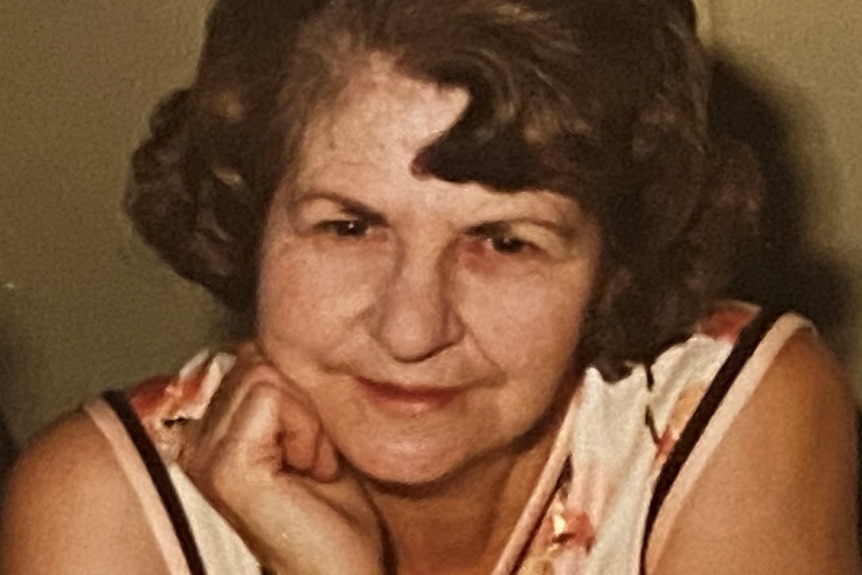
500 238
508 245
353 228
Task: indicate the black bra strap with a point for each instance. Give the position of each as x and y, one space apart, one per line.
159 475
747 342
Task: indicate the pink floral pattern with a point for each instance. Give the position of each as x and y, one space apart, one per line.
566 534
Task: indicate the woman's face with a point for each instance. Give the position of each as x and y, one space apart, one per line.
429 322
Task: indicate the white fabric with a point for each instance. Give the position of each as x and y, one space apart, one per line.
222 550
612 455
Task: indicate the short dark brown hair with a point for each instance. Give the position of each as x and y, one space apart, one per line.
604 101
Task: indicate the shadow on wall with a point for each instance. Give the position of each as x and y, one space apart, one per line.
8 379
8 451
859 478
786 272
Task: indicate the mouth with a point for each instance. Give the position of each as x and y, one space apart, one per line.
412 399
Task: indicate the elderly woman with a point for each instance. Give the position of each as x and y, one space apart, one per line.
474 247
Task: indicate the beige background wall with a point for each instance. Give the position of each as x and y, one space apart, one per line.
803 60
83 306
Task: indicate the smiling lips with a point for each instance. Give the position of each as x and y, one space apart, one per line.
410 400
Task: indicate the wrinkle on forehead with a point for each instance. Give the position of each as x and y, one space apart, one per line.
377 90
382 118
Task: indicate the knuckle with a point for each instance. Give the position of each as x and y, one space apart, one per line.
261 375
244 379
264 391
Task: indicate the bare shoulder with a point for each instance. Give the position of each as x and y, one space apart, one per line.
69 508
779 494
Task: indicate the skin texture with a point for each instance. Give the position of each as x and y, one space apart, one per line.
429 324
780 490
411 332
69 509
372 272
260 456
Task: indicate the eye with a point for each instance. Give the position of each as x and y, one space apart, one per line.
347 228
508 244
500 239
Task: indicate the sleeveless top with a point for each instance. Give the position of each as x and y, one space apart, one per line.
626 455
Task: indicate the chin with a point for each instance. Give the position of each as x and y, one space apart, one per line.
407 465
406 472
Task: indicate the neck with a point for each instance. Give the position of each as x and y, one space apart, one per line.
461 524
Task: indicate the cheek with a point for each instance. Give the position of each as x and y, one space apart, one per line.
529 327
306 293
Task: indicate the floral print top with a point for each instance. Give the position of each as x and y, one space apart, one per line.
588 513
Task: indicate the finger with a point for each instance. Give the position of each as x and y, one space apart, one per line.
346 497
300 434
326 463
207 440
305 446
253 366
269 417
246 457
226 402
253 435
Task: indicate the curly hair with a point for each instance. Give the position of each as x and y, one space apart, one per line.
603 101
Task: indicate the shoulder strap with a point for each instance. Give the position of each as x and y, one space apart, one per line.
745 346
159 475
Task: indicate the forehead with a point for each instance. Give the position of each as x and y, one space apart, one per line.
364 146
380 116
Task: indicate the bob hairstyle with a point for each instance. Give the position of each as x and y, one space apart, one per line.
604 101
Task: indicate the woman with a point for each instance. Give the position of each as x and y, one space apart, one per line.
476 244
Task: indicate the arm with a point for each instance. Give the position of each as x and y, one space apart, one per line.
779 494
70 510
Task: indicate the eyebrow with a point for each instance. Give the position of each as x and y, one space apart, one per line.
564 230
349 205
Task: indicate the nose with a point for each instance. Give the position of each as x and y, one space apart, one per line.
417 316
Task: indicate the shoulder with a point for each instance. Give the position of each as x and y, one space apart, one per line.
70 509
778 494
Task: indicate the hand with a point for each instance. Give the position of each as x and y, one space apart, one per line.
263 461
